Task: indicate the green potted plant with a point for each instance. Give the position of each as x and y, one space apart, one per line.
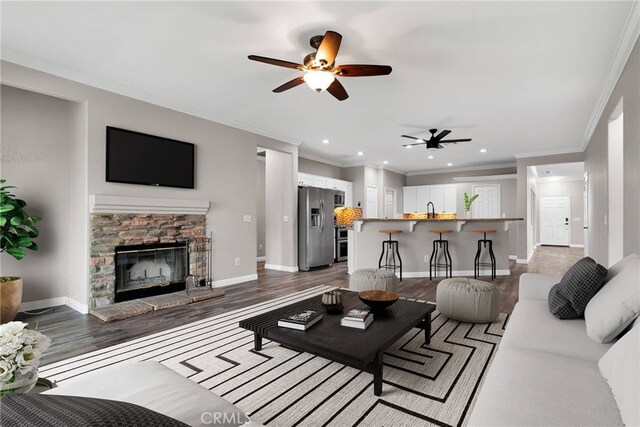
17 231
468 201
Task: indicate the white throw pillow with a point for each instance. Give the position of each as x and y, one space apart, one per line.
621 265
620 366
616 305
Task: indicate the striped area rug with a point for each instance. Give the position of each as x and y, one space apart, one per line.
434 385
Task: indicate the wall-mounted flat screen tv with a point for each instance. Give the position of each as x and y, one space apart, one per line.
138 158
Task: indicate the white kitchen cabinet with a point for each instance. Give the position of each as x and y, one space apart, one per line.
305 179
423 196
450 199
409 199
334 184
443 197
348 194
320 181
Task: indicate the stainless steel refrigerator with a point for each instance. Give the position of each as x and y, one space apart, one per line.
315 227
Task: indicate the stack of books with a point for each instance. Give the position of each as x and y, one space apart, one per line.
359 319
300 321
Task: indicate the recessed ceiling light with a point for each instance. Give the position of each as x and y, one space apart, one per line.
547 172
449 164
430 157
483 150
325 141
409 146
360 153
385 162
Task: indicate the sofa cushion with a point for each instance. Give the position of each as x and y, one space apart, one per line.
536 286
568 299
616 305
152 385
531 326
526 388
620 366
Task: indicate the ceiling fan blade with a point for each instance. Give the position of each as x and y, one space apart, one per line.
289 85
277 62
363 70
413 137
411 145
442 134
336 89
329 47
455 141
440 146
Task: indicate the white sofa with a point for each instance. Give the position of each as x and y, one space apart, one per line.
546 370
154 386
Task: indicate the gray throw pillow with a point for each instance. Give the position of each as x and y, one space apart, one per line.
568 299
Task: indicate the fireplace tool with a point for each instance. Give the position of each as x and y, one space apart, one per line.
200 262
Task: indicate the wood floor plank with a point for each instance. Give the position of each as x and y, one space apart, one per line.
73 333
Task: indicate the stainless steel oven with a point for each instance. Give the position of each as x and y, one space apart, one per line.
342 245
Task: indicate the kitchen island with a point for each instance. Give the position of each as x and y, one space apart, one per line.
416 243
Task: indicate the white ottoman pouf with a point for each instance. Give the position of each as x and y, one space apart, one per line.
468 300
373 279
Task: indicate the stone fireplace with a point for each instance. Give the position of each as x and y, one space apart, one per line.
156 228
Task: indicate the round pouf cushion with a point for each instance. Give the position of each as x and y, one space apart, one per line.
468 300
375 279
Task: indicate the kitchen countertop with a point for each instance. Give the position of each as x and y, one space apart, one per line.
438 220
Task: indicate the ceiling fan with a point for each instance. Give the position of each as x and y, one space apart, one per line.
436 141
319 67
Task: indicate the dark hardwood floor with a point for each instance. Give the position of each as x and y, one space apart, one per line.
73 333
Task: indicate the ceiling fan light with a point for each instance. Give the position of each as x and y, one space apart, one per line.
318 80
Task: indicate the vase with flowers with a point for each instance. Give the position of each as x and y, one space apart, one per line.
20 353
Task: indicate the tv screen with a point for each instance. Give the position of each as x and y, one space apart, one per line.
138 158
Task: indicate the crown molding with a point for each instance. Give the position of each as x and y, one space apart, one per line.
62 71
467 169
320 159
628 39
485 177
570 150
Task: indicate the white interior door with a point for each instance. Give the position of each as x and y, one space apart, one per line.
372 202
487 205
389 202
554 220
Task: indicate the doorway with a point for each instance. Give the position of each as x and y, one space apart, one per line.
487 205
555 212
372 201
389 202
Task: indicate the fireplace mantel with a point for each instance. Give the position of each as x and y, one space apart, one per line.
102 203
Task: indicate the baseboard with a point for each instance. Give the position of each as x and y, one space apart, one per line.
281 268
234 280
576 246
513 257
526 261
261 258
454 273
53 302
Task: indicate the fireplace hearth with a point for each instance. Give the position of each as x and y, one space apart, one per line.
150 269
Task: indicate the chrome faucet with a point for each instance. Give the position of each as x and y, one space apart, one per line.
431 214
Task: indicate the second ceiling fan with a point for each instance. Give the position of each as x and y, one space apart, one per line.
319 67
436 141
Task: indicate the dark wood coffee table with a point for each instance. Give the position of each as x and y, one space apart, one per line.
360 349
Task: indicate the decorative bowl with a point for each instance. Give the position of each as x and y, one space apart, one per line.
332 302
378 300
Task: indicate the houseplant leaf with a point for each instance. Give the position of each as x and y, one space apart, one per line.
16 226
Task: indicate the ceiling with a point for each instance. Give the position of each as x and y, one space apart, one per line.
517 77
560 172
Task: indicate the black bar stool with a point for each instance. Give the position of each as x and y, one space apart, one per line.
390 252
433 261
483 242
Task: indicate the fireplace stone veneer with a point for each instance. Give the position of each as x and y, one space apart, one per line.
120 229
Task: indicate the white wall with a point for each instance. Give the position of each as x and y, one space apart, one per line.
39 148
260 207
281 211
